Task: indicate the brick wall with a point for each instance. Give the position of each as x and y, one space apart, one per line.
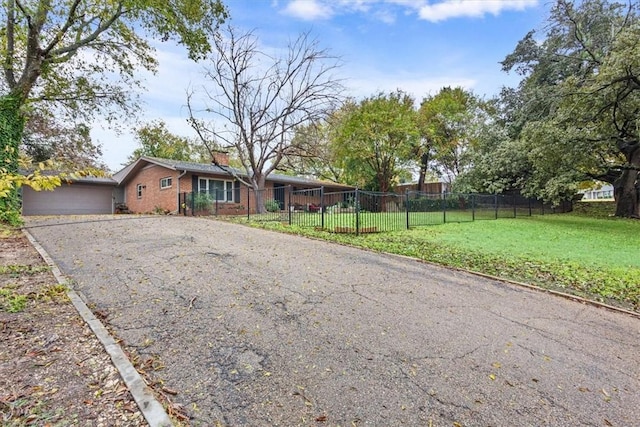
152 195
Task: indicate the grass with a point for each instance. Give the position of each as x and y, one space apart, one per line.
12 302
596 258
389 221
563 238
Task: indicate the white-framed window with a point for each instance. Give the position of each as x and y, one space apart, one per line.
165 182
139 188
219 190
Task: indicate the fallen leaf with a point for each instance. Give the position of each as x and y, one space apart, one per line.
321 418
169 390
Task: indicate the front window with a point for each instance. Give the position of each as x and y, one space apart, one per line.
219 190
139 191
165 183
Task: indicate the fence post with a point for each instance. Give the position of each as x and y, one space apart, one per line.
529 200
473 207
444 207
193 203
289 190
322 207
357 208
406 206
495 204
248 204
515 212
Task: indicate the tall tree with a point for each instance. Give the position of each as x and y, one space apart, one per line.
256 101
82 55
156 140
374 139
448 123
580 101
312 152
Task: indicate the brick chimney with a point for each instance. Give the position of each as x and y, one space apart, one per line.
220 158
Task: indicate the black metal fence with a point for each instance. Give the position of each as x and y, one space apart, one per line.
358 211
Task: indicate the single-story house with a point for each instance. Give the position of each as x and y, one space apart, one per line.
150 184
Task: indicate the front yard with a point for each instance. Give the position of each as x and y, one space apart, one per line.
596 258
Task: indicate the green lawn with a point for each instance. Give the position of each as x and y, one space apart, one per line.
592 242
598 258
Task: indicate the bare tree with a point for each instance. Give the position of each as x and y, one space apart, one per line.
255 100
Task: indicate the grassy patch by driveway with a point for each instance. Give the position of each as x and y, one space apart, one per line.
591 257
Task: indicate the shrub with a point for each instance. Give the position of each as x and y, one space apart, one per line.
272 205
202 201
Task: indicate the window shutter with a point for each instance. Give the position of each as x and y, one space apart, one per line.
236 191
194 183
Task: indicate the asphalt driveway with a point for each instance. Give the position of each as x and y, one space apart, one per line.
257 328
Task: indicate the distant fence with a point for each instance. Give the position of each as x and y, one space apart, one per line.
359 211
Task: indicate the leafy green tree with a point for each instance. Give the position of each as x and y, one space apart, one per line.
374 139
449 122
578 102
81 55
155 140
498 163
312 152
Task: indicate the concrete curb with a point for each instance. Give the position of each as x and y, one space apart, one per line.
150 407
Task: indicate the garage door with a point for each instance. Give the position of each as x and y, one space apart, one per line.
71 199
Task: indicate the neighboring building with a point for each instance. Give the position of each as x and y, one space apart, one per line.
603 192
437 187
151 184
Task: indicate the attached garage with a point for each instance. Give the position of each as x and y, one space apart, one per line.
82 197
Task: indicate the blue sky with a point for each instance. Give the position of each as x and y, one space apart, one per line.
418 46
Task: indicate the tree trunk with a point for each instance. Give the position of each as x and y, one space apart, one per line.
258 184
627 189
424 163
11 128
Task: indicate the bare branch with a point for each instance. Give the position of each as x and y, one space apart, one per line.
262 98
201 129
62 31
81 42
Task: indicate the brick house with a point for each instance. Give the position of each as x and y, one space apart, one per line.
152 183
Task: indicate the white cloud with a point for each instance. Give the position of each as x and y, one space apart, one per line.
386 16
470 8
433 11
308 10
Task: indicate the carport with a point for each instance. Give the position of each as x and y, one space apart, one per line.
82 196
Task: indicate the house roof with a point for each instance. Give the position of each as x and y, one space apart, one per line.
102 180
93 180
211 169
177 165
